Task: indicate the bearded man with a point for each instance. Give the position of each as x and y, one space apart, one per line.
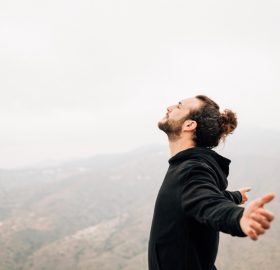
193 205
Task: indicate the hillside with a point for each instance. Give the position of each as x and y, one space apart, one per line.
96 213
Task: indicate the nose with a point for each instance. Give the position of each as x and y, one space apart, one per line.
169 109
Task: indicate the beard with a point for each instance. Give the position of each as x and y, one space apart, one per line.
172 128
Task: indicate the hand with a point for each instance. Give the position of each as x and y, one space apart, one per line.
243 194
256 219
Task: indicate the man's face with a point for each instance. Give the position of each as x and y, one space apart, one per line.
175 116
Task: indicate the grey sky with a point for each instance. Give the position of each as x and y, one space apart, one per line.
85 77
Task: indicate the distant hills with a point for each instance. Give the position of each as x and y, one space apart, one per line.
96 213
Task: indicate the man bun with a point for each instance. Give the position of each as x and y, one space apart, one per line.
228 122
213 126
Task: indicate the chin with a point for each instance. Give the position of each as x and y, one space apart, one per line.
163 120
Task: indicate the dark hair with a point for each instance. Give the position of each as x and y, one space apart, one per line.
212 126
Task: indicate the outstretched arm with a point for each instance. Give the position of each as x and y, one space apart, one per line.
202 200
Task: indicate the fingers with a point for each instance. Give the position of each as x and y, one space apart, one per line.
257 227
252 234
266 214
261 220
243 192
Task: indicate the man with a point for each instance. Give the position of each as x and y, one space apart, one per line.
193 204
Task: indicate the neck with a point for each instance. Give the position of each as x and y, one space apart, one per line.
179 145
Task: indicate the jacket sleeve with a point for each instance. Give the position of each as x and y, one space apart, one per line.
202 200
234 196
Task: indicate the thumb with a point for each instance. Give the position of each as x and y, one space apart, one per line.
266 198
246 189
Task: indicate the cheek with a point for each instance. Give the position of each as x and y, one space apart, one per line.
176 114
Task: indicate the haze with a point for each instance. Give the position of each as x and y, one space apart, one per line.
86 77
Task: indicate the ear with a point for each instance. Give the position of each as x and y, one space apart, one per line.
189 125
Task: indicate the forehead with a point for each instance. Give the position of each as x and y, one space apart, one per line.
191 103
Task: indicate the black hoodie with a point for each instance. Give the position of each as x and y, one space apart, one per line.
191 208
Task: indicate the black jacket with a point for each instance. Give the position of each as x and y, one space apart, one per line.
191 208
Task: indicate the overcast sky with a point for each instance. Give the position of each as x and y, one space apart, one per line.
80 78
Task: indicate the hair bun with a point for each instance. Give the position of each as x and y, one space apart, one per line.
228 122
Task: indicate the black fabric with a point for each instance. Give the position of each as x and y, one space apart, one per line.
191 208
234 196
